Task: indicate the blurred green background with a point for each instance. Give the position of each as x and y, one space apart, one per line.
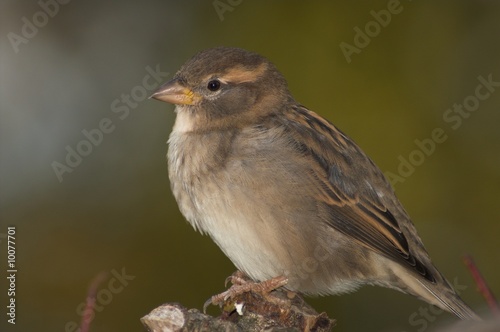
114 211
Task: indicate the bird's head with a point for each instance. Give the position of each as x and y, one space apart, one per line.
225 87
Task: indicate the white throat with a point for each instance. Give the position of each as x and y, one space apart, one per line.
184 121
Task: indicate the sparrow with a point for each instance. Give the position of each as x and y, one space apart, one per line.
289 198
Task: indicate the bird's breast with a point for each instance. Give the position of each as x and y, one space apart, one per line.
227 193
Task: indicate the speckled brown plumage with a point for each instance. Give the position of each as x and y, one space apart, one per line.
282 191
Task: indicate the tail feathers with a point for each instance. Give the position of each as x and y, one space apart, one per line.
450 301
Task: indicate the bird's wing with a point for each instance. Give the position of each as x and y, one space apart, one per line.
351 188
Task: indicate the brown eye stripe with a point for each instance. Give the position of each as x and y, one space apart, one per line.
240 74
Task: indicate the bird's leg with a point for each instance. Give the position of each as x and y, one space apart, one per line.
241 284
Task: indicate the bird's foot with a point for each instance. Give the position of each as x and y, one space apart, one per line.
242 284
237 278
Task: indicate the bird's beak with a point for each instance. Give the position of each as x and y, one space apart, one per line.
175 93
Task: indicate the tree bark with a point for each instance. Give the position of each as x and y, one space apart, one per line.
279 311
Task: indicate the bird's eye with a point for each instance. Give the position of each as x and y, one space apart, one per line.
213 85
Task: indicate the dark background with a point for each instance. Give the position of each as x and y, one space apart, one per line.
114 211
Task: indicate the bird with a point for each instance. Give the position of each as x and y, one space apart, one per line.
289 198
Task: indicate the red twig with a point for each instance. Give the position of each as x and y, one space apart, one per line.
88 312
481 284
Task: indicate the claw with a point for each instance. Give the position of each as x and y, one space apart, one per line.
237 278
241 285
206 304
228 279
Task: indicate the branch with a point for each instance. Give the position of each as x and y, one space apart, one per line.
246 312
482 286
